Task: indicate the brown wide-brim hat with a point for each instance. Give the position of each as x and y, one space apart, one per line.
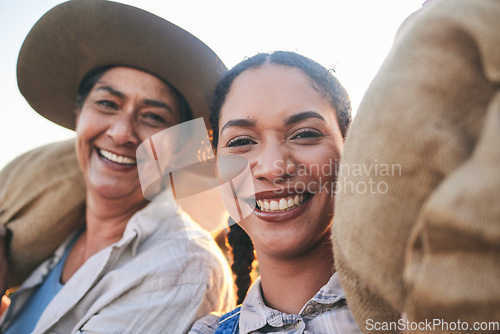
80 35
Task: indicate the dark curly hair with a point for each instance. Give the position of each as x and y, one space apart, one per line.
325 83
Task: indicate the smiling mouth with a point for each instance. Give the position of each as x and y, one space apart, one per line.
119 159
282 204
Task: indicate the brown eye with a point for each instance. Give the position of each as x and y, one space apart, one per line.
107 104
240 141
154 117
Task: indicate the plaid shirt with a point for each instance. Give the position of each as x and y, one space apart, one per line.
326 312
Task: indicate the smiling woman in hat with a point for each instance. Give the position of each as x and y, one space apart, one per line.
118 75
288 116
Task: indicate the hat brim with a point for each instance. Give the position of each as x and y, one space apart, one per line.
79 35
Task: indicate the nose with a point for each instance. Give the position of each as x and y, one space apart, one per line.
273 163
123 130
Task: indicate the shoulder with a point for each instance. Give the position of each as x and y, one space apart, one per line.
177 245
32 188
169 250
205 325
232 317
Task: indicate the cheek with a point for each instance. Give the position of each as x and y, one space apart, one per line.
319 171
89 125
144 132
251 226
81 152
87 129
82 120
320 163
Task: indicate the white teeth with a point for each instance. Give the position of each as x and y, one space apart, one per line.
117 158
283 204
280 204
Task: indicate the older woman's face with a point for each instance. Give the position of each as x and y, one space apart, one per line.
274 117
125 107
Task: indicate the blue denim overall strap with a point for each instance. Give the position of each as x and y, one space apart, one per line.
228 323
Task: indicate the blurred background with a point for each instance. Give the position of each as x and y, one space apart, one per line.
353 37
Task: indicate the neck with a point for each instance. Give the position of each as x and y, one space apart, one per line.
106 220
288 284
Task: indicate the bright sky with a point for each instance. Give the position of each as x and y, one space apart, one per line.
352 35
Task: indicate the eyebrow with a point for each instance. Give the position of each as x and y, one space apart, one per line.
159 104
112 91
302 116
149 102
241 122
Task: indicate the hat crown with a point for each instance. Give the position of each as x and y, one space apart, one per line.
77 36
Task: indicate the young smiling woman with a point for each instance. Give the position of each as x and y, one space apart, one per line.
288 116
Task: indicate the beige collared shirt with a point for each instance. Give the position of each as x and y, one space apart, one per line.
163 274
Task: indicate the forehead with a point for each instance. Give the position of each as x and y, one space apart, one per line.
273 92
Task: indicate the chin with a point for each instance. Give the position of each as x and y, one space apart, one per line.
113 191
280 245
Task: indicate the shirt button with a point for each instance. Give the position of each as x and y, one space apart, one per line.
310 309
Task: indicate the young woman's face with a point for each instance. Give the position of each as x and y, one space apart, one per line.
125 107
274 117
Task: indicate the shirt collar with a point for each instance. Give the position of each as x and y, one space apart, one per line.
142 224
255 314
164 205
